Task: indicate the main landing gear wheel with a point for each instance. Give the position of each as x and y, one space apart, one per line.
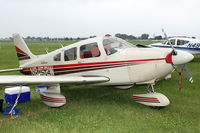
52 97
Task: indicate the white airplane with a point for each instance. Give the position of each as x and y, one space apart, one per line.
98 61
188 44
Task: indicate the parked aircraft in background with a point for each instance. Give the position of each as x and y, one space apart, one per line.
100 61
188 44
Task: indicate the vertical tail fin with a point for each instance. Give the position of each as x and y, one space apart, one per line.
23 53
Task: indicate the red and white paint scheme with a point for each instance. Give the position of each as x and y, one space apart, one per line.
152 99
101 61
53 99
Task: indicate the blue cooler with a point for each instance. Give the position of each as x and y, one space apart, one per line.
12 93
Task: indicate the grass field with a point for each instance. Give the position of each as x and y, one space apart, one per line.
102 108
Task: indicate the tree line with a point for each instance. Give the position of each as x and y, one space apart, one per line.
144 36
122 36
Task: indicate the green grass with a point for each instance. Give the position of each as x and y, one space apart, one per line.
103 108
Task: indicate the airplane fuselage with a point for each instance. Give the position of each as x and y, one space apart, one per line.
124 67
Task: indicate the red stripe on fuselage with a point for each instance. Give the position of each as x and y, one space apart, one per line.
91 67
87 69
103 63
73 68
95 63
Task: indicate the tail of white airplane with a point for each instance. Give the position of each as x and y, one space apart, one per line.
23 53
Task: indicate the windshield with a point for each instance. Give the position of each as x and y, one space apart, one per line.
172 41
113 45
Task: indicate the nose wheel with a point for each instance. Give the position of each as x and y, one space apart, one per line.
152 98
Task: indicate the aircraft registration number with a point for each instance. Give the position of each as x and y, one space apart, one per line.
193 45
42 70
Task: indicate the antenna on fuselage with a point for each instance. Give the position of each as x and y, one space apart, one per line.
60 43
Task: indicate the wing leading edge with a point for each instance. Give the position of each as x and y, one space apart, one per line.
31 80
10 70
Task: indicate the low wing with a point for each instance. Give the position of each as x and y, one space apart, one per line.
10 70
144 46
31 80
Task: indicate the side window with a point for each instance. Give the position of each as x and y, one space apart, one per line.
57 57
70 54
107 44
172 42
182 42
89 50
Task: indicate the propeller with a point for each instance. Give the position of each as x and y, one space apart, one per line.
186 72
173 49
179 59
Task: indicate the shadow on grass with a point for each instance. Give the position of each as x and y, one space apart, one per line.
102 95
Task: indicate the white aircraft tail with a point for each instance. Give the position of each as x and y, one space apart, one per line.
23 53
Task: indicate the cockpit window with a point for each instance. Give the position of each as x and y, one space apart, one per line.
182 42
70 54
89 50
57 57
113 45
172 42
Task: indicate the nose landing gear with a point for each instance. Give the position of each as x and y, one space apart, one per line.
152 98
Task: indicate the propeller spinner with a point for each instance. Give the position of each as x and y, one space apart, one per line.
179 58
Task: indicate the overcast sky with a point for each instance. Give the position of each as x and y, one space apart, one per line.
83 18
